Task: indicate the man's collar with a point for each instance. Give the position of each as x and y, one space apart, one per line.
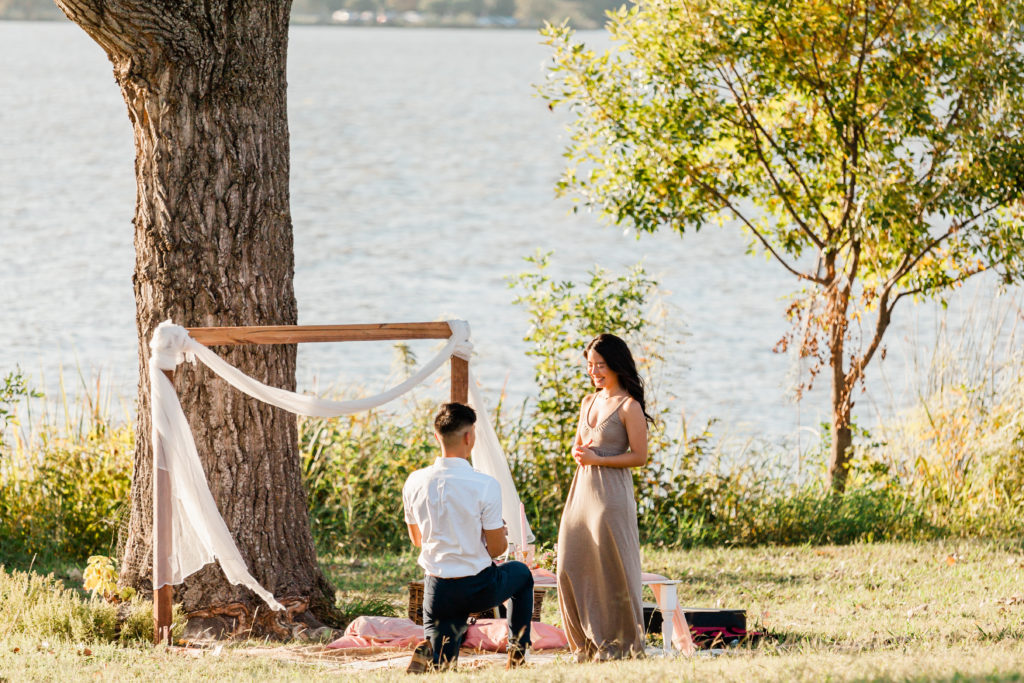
442 461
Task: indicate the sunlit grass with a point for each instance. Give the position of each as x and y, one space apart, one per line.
892 611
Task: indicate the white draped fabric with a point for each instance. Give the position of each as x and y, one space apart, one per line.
198 532
489 458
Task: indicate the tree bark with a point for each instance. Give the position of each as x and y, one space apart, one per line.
842 444
838 302
205 87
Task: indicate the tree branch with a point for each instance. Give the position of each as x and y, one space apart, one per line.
906 267
820 82
726 203
851 273
840 129
754 125
857 364
963 277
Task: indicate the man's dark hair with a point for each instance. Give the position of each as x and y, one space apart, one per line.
453 418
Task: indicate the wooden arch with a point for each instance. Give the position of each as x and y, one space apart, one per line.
163 597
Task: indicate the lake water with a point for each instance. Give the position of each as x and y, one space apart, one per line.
423 168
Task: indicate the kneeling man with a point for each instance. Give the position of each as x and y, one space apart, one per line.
454 517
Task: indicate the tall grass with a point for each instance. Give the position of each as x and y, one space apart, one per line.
65 478
959 451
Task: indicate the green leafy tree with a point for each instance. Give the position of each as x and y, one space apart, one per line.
872 149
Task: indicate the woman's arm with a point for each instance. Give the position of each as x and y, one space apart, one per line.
636 429
578 447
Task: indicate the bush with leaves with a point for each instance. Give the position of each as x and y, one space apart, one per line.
564 316
62 496
13 389
354 468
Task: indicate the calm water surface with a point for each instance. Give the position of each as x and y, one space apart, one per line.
422 173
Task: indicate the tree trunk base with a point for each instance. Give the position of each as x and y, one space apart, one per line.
238 621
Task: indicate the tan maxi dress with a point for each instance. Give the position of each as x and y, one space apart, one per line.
599 553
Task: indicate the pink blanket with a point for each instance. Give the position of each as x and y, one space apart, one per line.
485 634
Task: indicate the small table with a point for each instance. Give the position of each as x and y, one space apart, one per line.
667 604
667 599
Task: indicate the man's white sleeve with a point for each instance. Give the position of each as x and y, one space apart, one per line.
490 516
407 505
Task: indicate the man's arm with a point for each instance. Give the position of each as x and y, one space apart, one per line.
414 534
496 541
495 538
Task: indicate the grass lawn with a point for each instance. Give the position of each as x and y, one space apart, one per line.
935 611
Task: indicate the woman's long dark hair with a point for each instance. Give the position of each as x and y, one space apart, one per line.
620 361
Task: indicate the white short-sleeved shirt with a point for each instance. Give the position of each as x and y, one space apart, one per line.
452 504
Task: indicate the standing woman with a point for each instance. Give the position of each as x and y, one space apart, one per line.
598 538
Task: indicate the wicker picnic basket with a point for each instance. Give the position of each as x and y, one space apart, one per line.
416 604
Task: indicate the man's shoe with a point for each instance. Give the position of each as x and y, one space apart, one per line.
516 656
422 658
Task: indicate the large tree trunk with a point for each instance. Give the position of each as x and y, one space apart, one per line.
206 93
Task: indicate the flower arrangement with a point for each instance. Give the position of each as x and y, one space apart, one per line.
547 558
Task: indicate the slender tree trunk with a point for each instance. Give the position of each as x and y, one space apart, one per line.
205 88
842 437
838 301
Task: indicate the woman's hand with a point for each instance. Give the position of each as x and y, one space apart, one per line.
584 455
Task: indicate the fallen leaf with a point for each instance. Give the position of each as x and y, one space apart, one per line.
917 610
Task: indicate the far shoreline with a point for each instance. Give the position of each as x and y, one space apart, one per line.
307 21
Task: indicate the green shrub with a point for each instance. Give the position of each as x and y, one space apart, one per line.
42 607
354 469
13 389
62 494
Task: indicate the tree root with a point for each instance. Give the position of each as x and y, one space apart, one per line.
237 621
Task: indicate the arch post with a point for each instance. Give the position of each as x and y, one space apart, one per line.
460 380
163 597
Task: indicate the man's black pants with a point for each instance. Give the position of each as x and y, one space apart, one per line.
447 604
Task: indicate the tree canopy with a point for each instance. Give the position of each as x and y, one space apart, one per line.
872 149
